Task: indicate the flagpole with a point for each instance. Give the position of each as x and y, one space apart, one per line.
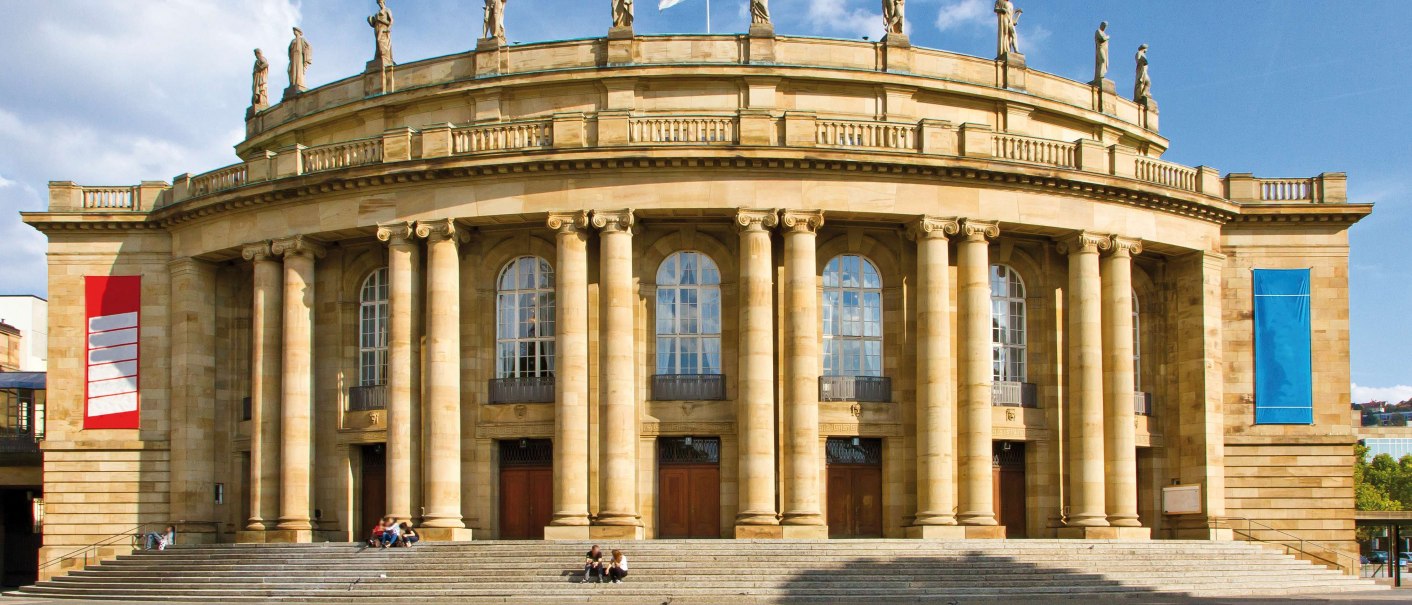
708 17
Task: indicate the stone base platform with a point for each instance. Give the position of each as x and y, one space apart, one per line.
956 532
1105 533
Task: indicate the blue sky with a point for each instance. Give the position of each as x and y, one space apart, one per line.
117 92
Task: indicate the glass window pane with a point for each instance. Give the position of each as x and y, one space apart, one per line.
711 351
709 274
666 311
688 267
711 311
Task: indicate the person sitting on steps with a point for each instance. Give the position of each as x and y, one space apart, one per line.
593 565
391 532
163 540
409 535
375 538
618 567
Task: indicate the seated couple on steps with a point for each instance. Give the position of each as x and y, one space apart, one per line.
388 532
615 569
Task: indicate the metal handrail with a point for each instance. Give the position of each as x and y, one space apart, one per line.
1338 554
135 534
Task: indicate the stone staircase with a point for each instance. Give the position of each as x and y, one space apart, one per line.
703 571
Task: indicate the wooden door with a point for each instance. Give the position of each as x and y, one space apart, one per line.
689 488
526 488
1009 487
854 488
372 496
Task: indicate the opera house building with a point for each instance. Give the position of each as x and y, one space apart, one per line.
700 286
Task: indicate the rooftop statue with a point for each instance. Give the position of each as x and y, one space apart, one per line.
759 12
1008 17
1142 90
622 13
300 56
894 15
1100 52
382 30
260 82
494 26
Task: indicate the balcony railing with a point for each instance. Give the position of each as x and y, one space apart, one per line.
688 387
1014 394
522 389
855 388
1142 403
364 398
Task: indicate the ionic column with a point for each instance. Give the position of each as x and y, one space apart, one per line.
442 405
974 372
620 423
1120 437
936 391
1085 344
265 330
402 258
755 411
570 372
802 506
297 403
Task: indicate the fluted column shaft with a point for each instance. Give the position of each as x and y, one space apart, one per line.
756 405
297 402
571 369
974 371
402 258
1119 375
442 406
266 317
1086 455
936 391
802 506
620 423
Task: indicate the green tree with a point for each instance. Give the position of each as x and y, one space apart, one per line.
1381 484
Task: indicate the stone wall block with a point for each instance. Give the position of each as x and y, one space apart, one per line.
1092 157
937 137
757 127
800 128
1208 181
976 141
613 128
397 144
436 141
1124 161
568 130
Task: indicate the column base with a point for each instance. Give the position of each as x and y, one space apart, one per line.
804 532
759 532
289 536
445 534
1212 533
576 533
936 532
615 532
249 536
1105 533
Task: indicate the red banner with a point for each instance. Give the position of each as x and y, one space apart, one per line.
112 305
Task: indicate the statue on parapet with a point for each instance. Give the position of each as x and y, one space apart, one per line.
894 16
1100 53
1142 89
260 82
300 56
494 26
382 31
759 12
1009 18
622 13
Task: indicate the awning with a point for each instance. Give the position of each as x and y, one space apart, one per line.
22 380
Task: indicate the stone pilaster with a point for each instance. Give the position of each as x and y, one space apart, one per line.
974 372
441 483
803 517
618 369
570 520
1085 421
755 407
297 402
936 390
1119 374
266 319
403 258
193 382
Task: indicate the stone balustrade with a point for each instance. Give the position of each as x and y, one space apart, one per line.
341 155
1034 150
218 180
1167 174
537 134
684 129
1327 188
871 135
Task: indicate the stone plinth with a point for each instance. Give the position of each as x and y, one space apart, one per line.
445 534
621 42
615 532
489 56
288 536
759 532
804 532
1010 71
1105 533
761 42
897 53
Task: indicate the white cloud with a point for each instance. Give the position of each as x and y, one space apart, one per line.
834 16
959 13
4 182
1362 394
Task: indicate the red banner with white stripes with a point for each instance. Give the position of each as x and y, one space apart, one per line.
111 306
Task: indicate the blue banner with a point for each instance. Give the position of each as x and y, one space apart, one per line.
1284 375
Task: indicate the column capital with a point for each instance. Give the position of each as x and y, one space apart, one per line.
802 221
1084 242
297 245
568 222
397 234
256 252
932 227
441 229
756 219
614 221
1125 246
979 231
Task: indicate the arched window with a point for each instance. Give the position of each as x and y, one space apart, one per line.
1137 347
372 330
524 327
688 315
1007 316
852 317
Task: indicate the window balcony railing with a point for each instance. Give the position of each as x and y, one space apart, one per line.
688 387
522 389
1014 394
370 397
855 388
1142 403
